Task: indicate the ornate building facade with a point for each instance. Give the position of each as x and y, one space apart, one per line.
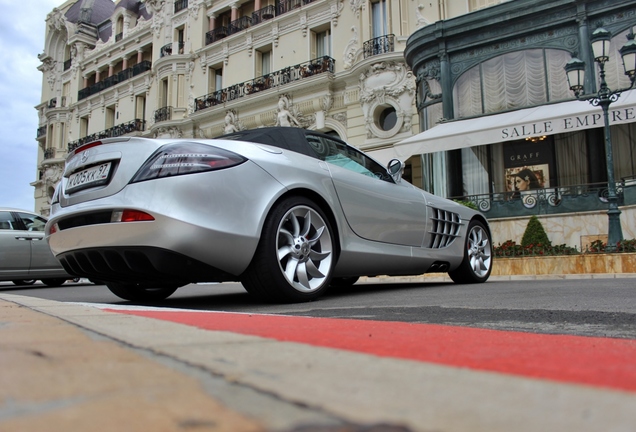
499 126
199 68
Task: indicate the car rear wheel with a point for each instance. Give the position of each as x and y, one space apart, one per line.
53 282
477 263
140 293
295 256
24 282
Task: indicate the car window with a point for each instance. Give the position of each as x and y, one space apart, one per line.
342 155
32 222
6 220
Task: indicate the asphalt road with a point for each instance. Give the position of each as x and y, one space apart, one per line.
587 307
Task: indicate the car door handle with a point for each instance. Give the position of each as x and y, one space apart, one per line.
24 238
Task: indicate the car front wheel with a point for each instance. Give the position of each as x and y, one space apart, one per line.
295 257
477 263
140 293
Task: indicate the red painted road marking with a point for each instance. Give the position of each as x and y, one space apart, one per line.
593 361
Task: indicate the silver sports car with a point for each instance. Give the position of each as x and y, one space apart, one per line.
287 212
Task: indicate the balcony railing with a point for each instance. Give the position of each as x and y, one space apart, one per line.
240 24
136 125
568 199
41 131
180 5
268 12
114 79
119 36
163 114
216 34
271 80
67 64
379 45
49 153
52 103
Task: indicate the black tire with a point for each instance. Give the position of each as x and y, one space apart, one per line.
344 281
140 293
477 263
24 282
296 254
53 282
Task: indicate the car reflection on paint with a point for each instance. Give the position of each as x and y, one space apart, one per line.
288 212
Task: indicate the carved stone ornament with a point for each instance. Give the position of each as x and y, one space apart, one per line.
51 175
336 9
357 6
168 132
385 85
351 49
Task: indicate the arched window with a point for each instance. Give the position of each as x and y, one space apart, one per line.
512 81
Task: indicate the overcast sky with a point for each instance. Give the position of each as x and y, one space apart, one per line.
22 39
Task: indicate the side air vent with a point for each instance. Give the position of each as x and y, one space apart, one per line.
445 228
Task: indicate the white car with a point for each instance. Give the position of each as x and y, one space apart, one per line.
25 255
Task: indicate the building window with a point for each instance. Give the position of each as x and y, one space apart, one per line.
480 4
379 18
511 81
323 43
263 61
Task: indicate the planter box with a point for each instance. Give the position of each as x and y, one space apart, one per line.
568 264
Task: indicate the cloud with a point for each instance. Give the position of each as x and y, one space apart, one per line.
22 39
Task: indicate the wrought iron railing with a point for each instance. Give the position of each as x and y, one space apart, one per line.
180 5
380 45
41 131
555 200
166 50
163 114
216 34
52 103
268 12
119 36
136 125
67 64
240 24
264 14
271 80
114 79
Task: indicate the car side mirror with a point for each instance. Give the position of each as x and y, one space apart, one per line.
395 168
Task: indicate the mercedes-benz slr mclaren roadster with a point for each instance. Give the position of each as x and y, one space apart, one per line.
287 212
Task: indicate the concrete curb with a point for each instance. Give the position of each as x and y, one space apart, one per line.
322 387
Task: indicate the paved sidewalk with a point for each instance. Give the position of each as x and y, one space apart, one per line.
69 367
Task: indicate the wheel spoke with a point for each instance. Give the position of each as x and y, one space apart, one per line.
301 272
296 226
313 270
283 252
306 225
317 236
290 269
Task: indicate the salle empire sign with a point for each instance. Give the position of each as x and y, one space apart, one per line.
567 124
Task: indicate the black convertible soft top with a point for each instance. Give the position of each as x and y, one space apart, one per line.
288 138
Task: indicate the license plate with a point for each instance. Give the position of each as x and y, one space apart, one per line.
93 176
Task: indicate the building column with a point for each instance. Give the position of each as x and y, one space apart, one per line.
257 5
98 76
234 14
140 56
111 68
125 63
211 21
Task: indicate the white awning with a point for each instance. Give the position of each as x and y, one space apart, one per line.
551 119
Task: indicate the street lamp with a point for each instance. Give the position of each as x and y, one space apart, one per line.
575 71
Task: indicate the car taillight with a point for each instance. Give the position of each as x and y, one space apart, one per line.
130 216
186 158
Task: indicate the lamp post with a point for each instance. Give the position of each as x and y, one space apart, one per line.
575 71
